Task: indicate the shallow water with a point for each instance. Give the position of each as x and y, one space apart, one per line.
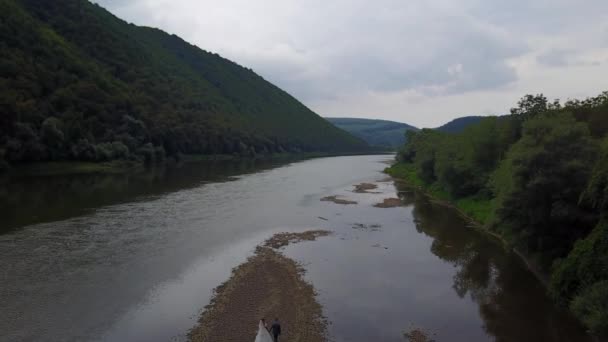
386 271
136 257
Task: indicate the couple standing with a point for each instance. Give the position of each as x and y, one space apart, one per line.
268 335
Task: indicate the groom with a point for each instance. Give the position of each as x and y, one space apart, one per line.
275 329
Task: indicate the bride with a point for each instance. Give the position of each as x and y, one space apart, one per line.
263 334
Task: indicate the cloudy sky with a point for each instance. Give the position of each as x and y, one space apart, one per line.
422 62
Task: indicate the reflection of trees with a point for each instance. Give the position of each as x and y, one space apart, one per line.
405 193
474 276
512 303
30 200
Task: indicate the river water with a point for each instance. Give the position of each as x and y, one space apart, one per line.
135 257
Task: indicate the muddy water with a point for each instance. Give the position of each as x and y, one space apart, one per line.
135 257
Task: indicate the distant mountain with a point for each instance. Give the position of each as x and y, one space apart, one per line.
375 132
78 83
459 124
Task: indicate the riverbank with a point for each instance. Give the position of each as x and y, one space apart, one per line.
477 211
71 167
268 285
124 166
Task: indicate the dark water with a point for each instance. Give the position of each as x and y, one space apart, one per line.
135 257
26 200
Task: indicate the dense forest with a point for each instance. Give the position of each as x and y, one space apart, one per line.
77 83
381 133
539 179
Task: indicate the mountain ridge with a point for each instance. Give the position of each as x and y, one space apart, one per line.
457 125
376 132
78 83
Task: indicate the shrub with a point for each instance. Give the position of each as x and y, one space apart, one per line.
586 264
591 307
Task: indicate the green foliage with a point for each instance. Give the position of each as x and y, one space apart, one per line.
479 209
596 193
585 265
591 306
581 279
75 81
388 134
421 150
548 170
530 106
539 177
461 163
84 150
406 172
459 124
593 111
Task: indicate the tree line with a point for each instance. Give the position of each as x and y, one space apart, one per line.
539 178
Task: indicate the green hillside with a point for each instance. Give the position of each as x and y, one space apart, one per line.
459 124
77 83
375 132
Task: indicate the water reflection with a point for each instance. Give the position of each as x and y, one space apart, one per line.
128 255
512 303
26 200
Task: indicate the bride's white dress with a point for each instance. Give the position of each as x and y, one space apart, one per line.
263 334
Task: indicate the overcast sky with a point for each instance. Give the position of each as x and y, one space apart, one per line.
421 62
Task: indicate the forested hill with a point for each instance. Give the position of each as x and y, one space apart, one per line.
539 179
382 133
459 124
77 83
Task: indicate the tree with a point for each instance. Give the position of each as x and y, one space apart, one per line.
530 106
52 137
549 171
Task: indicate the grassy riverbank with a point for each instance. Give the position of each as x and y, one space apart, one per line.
477 209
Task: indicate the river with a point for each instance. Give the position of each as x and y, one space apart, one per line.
135 257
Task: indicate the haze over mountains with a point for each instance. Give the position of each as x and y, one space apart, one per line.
381 133
78 83
391 134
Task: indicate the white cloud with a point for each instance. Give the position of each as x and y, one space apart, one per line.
420 62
